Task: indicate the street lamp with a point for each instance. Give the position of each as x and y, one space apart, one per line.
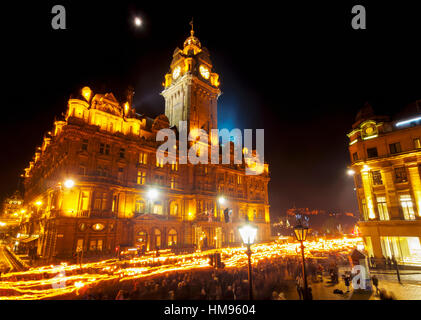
152 195
350 172
221 200
69 183
248 234
301 235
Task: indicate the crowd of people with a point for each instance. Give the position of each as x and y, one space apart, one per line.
273 278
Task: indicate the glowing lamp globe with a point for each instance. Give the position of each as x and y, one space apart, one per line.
86 93
301 233
248 234
137 22
69 183
221 200
152 194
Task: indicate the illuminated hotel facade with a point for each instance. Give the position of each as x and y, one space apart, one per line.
386 163
96 184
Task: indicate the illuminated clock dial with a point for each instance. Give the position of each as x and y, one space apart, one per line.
176 72
204 71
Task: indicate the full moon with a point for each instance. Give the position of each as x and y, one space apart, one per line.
137 22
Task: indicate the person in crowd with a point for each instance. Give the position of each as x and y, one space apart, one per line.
375 282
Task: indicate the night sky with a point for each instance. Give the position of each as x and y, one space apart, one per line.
297 70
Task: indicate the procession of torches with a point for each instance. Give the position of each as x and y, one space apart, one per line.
65 281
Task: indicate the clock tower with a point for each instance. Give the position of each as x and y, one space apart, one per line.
191 88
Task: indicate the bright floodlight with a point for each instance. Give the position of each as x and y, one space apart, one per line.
152 194
248 234
221 200
69 183
137 22
350 172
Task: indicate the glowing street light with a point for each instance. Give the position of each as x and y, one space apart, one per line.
152 194
301 235
69 183
350 172
221 200
248 235
38 203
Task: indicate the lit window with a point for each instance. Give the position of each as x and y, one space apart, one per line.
159 162
174 166
172 238
407 207
140 206
98 226
172 183
143 158
382 207
417 143
141 177
84 200
157 208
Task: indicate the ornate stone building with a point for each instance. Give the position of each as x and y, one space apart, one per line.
386 159
96 184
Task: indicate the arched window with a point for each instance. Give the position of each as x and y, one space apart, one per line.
157 235
172 237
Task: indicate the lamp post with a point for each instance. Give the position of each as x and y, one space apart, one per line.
248 234
152 195
301 235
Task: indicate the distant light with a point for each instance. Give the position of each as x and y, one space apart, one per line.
407 121
2 224
221 200
69 183
86 93
350 172
152 194
360 247
38 203
137 22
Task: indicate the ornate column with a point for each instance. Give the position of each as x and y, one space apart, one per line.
368 192
391 196
415 180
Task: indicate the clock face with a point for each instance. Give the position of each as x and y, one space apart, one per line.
176 72
204 71
369 130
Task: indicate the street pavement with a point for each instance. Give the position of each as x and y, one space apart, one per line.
408 289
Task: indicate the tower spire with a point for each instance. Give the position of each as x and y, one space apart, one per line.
192 30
